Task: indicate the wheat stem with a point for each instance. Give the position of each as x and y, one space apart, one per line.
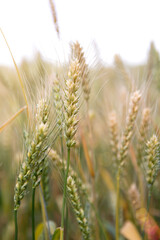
149 199
47 234
62 154
117 206
67 224
33 215
148 205
65 190
16 225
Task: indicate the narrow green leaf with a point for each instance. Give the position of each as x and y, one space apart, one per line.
57 234
39 231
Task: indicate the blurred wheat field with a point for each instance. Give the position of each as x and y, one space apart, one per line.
79 148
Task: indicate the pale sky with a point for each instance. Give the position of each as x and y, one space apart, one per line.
122 27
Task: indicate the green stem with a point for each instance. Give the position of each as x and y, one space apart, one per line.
65 190
44 213
33 215
149 199
67 225
105 233
62 153
117 206
148 205
44 216
16 225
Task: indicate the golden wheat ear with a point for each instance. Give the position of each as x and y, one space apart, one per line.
58 103
54 15
113 127
152 160
71 102
77 53
131 118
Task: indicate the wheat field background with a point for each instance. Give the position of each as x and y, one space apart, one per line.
79 146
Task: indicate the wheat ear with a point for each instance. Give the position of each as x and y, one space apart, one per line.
79 212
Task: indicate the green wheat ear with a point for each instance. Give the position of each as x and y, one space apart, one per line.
45 181
152 160
143 131
57 161
34 155
79 212
151 164
43 115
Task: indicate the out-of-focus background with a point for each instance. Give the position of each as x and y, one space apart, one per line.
117 27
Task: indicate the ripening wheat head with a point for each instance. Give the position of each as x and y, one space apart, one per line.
35 152
152 160
71 102
77 52
79 212
132 114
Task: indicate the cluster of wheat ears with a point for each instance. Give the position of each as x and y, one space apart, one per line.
54 115
57 126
